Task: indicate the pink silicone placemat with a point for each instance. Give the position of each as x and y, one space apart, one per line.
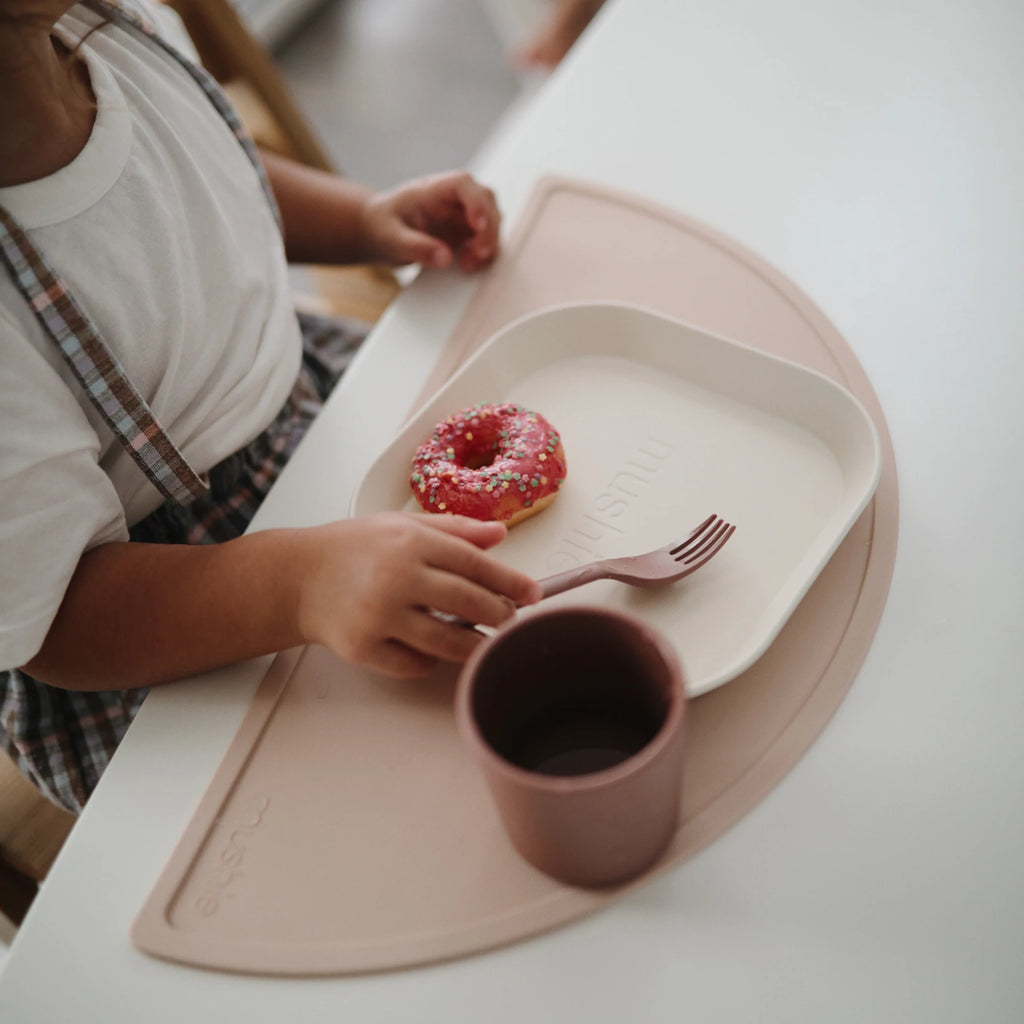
347 830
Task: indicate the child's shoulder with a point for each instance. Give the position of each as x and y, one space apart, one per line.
156 17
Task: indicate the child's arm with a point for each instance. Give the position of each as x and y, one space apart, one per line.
141 614
439 220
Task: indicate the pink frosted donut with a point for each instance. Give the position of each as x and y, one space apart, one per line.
499 462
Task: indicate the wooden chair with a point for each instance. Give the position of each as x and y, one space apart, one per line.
249 76
32 831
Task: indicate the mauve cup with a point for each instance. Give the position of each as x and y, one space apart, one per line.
575 716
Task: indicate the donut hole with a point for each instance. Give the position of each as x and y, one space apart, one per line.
480 446
480 459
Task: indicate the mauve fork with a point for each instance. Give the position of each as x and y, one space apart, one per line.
664 565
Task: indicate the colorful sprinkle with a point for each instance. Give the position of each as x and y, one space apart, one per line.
486 462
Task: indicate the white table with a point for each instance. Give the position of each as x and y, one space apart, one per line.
874 152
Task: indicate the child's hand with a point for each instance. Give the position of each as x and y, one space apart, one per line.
435 221
370 583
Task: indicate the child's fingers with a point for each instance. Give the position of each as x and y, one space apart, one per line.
433 637
478 203
465 213
408 245
456 595
484 221
436 221
468 561
479 532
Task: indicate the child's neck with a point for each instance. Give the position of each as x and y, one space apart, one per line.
47 107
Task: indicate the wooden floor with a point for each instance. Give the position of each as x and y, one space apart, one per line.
399 88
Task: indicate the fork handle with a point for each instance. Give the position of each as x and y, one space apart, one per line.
549 586
577 577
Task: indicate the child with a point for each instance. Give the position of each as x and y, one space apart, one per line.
154 380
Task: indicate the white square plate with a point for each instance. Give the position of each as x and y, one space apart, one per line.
662 425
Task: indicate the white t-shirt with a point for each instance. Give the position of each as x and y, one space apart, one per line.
161 230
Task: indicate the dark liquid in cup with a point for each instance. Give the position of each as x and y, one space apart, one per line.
581 744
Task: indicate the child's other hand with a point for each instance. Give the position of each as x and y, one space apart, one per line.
437 221
369 585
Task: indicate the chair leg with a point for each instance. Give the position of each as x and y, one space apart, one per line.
17 891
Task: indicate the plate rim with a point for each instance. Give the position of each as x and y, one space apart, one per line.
416 423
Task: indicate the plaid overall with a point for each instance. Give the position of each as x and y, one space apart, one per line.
62 740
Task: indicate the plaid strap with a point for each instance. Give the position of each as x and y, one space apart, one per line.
104 381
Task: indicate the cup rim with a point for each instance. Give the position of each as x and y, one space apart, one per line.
470 731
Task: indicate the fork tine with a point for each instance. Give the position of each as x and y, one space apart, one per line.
705 541
680 550
711 547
